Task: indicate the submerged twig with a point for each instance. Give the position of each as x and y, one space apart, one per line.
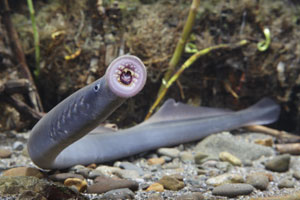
19 54
281 135
185 65
293 148
181 43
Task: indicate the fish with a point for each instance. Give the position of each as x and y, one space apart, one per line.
69 134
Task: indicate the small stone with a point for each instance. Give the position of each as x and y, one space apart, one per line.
156 161
233 190
155 196
296 175
61 177
118 194
171 152
79 184
268 142
95 173
130 166
92 166
18 146
200 157
279 163
107 170
228 157
171 183
84 171
186 157
5 153
192 196
155 187
127 174
104 184
225 178
23 171
201 172
286 183
258 180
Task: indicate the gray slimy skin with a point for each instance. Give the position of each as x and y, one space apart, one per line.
81 112
54 142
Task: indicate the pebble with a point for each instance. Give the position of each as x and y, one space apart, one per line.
23 171
186 157
200 157
130 166
192 196
171 152
18 146
171 183
225 178
286 183
155 187
5 153
127 174
118 194
258 180
228 157
61 177
95 173
79 184
155 161
241 148
233 190
279 163
296 175
104 184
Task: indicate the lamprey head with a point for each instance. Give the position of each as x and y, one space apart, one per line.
126 76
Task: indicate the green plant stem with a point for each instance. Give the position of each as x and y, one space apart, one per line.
181 43
35 37
188 63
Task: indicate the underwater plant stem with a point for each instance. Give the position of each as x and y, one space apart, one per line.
181 43
19 54
35 37
187 64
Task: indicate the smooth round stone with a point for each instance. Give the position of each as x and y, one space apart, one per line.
258 180
192 196
23 171
279 163
286 183
104 184
156 161
233 190
171 152
61 177
5 153
155 187
18 146
200 157
296 175
225 178
171 183
119 194
228 157
186 157
79 184
130 166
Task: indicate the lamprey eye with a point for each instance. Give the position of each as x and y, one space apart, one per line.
126 76
97 87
